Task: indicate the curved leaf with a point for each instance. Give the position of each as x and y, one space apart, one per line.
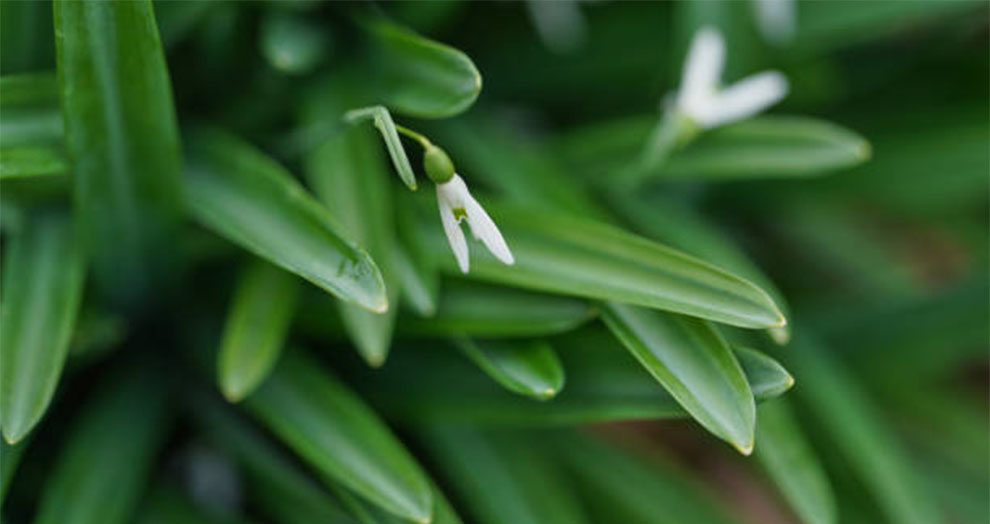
767 378
572 256
256 328
123 139
42 283
692 361
421 77
246 197
336 433
527 367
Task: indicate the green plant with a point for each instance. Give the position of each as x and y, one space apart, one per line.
228 295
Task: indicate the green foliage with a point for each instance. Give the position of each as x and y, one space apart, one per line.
227 295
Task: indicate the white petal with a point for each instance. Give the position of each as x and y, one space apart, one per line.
702 68
746 98
776 19
452 227
484 229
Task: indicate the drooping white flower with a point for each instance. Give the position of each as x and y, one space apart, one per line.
776 19
456 204
700 98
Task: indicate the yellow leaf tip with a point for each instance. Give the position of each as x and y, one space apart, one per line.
746 449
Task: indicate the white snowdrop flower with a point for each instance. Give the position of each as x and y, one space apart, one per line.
776 19
700 98
456 204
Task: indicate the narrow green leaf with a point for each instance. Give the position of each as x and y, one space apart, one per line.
785 454
567 255
604 382
693 362
117 434
766 377
10 458
846 415
673 223
481 310
622 487
123 139
348 174
246 197
293 44
382 121
504 477
769 146
256 328
526 367
30 109
277 486
336 433
365 513
416 266
42 283
420 77
30 161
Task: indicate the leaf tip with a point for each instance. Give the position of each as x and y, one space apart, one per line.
746 449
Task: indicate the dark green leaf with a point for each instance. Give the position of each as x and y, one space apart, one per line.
693 362
256 329
783 451
336 433
10 458
42 283
526 367
122 137
246 197
421 77
117 435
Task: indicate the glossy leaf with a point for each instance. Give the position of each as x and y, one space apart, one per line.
767 378
123 139
256 329
42 284
249 199
336 433
625 488
480 310
783 451
526 367
604 382
503 477
853 424
693 362
118 434
674 224
757 148
348 174
567 255
420 77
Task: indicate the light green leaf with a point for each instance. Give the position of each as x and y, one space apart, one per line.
293 44
503 477
278 487
622 487
693 362
420 77
365 513
481 310
117 434
30 161
348 174
526 367
336 433
604 382
246 197
256 328
673 223
854 425
572 256
382 121
768 146
766 377
783 451
42 283
123 139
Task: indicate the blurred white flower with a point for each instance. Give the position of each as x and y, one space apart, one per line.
700 98
776 19
456 204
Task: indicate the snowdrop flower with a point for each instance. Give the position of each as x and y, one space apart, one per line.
457 204
776 19
700 98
